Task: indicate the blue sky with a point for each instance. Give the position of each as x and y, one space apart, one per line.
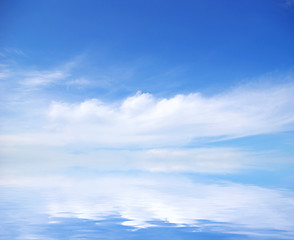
147 119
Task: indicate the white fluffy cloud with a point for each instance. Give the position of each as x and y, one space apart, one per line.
144 120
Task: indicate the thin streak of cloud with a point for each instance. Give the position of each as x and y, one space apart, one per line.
78 82
14 51
43 78
8 52
24 79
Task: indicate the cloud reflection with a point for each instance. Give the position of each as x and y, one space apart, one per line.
143 200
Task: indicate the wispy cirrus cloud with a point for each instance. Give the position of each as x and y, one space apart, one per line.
78 82
24 78
43 78
7 52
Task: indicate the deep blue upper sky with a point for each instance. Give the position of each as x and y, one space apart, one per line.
206 45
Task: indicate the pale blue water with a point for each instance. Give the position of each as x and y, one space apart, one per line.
113 206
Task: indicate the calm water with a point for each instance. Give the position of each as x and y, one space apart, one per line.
142 206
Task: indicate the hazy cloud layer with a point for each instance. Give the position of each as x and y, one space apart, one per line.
28 161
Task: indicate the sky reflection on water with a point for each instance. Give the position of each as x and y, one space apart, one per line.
142 206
